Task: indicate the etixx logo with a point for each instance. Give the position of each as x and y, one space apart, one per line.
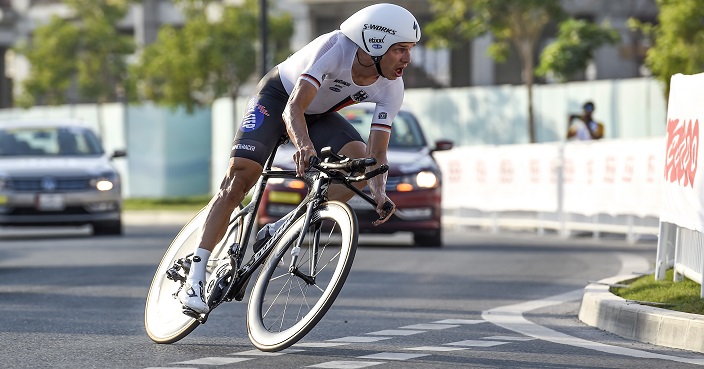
374 40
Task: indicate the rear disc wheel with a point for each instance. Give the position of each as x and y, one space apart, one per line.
164 319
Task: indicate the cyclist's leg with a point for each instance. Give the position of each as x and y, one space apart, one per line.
333 130
256 138
240 177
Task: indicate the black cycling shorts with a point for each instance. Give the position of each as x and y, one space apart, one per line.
262 125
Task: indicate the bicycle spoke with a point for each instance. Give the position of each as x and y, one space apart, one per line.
273 301
292 296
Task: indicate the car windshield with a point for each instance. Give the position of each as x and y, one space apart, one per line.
405 131
49 141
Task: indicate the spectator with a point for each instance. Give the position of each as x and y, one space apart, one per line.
584 127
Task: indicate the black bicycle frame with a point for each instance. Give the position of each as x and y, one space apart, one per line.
239 273
317 183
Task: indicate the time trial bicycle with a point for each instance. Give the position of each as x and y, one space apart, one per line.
303 266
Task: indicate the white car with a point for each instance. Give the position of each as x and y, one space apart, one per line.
57 173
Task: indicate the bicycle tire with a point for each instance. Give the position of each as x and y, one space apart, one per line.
164 320
269 326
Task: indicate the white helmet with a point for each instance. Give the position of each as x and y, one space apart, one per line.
375 28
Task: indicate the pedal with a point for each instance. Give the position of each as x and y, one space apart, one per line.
201 318
191 313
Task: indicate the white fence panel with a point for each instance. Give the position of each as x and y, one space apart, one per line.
683 182
602 186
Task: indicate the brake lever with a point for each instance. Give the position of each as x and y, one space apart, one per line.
314 161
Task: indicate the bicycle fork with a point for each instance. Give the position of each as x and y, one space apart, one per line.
296 250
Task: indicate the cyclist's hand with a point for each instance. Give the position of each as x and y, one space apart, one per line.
302 158
385 210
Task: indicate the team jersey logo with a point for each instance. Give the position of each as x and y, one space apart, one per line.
360 96
254 116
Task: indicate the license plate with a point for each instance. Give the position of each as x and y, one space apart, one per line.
50 202
357 202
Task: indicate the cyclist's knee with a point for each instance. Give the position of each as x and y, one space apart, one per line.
354 149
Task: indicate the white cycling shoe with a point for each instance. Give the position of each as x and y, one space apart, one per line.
192 297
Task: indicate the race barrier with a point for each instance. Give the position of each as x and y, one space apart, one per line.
681 243
597 186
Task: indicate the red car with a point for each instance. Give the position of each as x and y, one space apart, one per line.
414 181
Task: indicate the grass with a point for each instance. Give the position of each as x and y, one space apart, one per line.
190 203
174 203
679 296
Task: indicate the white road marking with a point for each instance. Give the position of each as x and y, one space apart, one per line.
396 332
460 321
436 348
346 364
476 343
262 353
357 339
509 338
215 360
430 326
392 356
511 317
320 344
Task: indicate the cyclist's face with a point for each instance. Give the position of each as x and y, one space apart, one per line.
396 59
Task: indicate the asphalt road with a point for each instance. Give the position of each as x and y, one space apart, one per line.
483 301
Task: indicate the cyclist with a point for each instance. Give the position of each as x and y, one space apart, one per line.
362 61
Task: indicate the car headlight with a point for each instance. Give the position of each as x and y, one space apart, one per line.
423 179
426 179
105 181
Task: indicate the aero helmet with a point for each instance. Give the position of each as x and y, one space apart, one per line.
375 28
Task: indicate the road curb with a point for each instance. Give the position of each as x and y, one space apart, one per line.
606 311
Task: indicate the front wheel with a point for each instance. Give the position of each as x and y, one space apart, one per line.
287 301
164 319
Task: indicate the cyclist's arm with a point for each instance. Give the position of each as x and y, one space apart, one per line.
302 95
377 148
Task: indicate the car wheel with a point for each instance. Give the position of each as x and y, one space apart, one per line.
428 238
110 227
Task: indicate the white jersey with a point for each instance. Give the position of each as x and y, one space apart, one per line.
326 63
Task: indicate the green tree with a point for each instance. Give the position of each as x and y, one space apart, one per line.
51 55
85 51
511 22
574 48
678 40
211 56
